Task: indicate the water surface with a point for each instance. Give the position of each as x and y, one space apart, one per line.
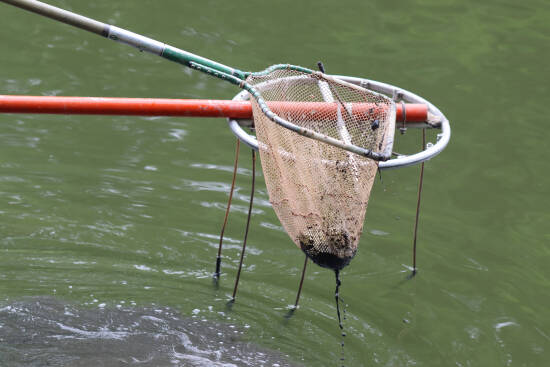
112 218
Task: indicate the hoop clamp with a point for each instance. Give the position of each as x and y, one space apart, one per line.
403 128
398 97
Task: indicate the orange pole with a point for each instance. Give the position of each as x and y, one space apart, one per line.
182 107
124 106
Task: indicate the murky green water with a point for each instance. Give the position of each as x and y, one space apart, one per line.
109 225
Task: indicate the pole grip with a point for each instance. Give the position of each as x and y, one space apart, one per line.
62 15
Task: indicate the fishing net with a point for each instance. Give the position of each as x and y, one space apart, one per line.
318 191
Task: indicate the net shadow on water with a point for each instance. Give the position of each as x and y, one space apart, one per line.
43 331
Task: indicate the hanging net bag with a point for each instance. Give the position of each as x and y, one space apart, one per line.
318 191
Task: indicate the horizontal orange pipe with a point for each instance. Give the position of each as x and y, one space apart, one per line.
181 107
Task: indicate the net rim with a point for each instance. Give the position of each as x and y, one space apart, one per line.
433 150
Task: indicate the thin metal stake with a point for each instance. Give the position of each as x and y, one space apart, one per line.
219 258
301 284
247 224
418 203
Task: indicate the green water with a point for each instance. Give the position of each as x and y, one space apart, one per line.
115 219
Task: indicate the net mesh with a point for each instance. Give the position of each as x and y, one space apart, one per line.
320 192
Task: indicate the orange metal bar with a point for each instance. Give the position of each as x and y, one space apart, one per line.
182 107
124 106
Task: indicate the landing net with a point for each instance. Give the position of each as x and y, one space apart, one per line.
318 191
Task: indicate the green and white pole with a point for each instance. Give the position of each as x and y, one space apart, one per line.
124 36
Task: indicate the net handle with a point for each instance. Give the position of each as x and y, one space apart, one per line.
142 43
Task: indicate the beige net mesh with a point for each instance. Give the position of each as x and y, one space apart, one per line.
319 192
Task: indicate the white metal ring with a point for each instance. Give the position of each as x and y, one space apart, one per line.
402 161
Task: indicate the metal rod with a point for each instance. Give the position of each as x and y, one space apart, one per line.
219 257
178 107
247 224
301 283
418 203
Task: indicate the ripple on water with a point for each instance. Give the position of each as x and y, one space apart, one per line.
222 168
46 331
212 240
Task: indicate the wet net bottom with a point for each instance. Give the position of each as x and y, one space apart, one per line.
328 259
